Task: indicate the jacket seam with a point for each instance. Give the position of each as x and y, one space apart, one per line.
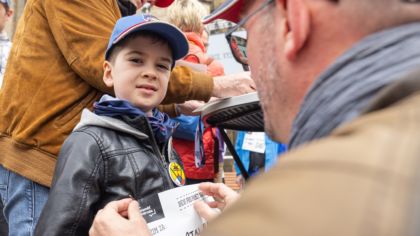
98 159
136 172
119 152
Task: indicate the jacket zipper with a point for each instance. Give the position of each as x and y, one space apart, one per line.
163 165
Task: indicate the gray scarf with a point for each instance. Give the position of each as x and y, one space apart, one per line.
346 88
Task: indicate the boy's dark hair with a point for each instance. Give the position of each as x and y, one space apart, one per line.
156 38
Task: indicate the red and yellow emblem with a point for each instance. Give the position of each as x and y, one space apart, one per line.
177 174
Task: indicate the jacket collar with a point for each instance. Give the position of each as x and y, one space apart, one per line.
396 92
90 118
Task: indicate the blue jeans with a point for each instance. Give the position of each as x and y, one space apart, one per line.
23 201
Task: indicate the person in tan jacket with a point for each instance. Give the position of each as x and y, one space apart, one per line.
339 82
54 71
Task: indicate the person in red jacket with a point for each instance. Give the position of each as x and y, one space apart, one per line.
187 15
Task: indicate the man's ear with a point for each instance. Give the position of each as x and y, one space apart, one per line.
298 20
107 78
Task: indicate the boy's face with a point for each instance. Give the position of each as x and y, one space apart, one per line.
140 72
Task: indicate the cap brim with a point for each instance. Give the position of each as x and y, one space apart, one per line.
163 3
176 39
229 10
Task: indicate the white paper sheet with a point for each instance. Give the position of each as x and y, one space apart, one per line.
171 213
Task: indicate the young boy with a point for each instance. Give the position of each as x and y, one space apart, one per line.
116 150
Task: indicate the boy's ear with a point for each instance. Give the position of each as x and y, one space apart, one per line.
107 78
298 21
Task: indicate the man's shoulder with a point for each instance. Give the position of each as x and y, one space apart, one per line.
366 168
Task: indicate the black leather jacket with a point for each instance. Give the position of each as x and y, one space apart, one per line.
104 159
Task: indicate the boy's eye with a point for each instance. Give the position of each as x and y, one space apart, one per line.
135 60
163 66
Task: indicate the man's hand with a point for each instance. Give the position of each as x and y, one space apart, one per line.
233 85
188 107
240 180
119 218
140 3
152 2
223 196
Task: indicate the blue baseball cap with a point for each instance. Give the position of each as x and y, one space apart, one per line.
229 10
135 23
7 2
